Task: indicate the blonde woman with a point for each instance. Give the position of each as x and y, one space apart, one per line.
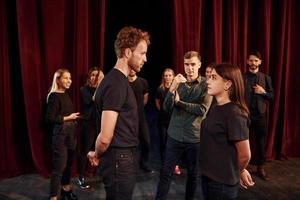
62 117
163 116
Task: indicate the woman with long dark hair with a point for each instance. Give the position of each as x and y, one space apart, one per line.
224 142
88 121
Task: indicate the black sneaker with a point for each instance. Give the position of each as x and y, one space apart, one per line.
67 195
81 183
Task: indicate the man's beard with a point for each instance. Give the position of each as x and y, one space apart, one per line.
253 67
134 66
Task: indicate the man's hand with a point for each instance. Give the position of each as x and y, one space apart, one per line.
258 89
93 158
246 179
179 78
177 97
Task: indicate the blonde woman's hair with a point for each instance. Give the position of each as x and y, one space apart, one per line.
56 76
162 83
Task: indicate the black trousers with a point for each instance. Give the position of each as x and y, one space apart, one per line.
144 145
119 171
258 126
87 143
174 151
63 152
162 131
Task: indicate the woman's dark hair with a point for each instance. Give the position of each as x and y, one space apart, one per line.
237 91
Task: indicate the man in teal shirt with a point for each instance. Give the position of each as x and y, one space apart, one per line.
188 101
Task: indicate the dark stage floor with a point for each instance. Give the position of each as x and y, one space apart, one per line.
285 185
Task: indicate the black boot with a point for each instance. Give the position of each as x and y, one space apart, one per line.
261 172
67 195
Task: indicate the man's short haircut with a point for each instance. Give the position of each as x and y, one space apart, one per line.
255 53
129 37
191 54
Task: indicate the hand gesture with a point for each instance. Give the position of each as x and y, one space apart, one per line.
93 158
246 179
258 89
177 97
74 116
179 78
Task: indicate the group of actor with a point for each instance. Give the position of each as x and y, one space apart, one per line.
204 122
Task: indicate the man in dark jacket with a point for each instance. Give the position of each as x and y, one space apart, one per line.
258 90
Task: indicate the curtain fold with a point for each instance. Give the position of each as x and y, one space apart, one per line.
8 161
186 30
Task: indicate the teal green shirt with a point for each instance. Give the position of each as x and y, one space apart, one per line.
188 113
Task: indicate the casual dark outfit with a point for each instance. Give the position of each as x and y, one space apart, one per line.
140 88
184 134
88 127
257 106
63 140
163 120
223 126
119 163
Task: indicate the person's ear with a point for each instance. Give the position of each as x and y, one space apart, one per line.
227 85
128 52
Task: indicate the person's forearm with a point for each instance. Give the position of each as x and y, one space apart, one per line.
100 147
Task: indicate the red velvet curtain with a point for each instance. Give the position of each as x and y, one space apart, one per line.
231 28
50 34
8 163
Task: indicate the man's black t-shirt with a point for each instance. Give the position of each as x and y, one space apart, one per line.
114 93
140 87
224 126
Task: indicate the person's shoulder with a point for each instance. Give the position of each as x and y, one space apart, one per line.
114 76
235 111
264 74
201 79
160 89
142 79
83 88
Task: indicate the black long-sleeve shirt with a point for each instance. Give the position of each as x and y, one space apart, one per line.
59 106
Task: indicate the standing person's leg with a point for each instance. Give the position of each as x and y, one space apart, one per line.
70 142
260 142
144 145
126 173
215 190
192 152
87 144
174 151
59 160
162 131
84 137
119 171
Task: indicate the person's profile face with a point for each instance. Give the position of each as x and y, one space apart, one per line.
65 81
138 56
216 84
